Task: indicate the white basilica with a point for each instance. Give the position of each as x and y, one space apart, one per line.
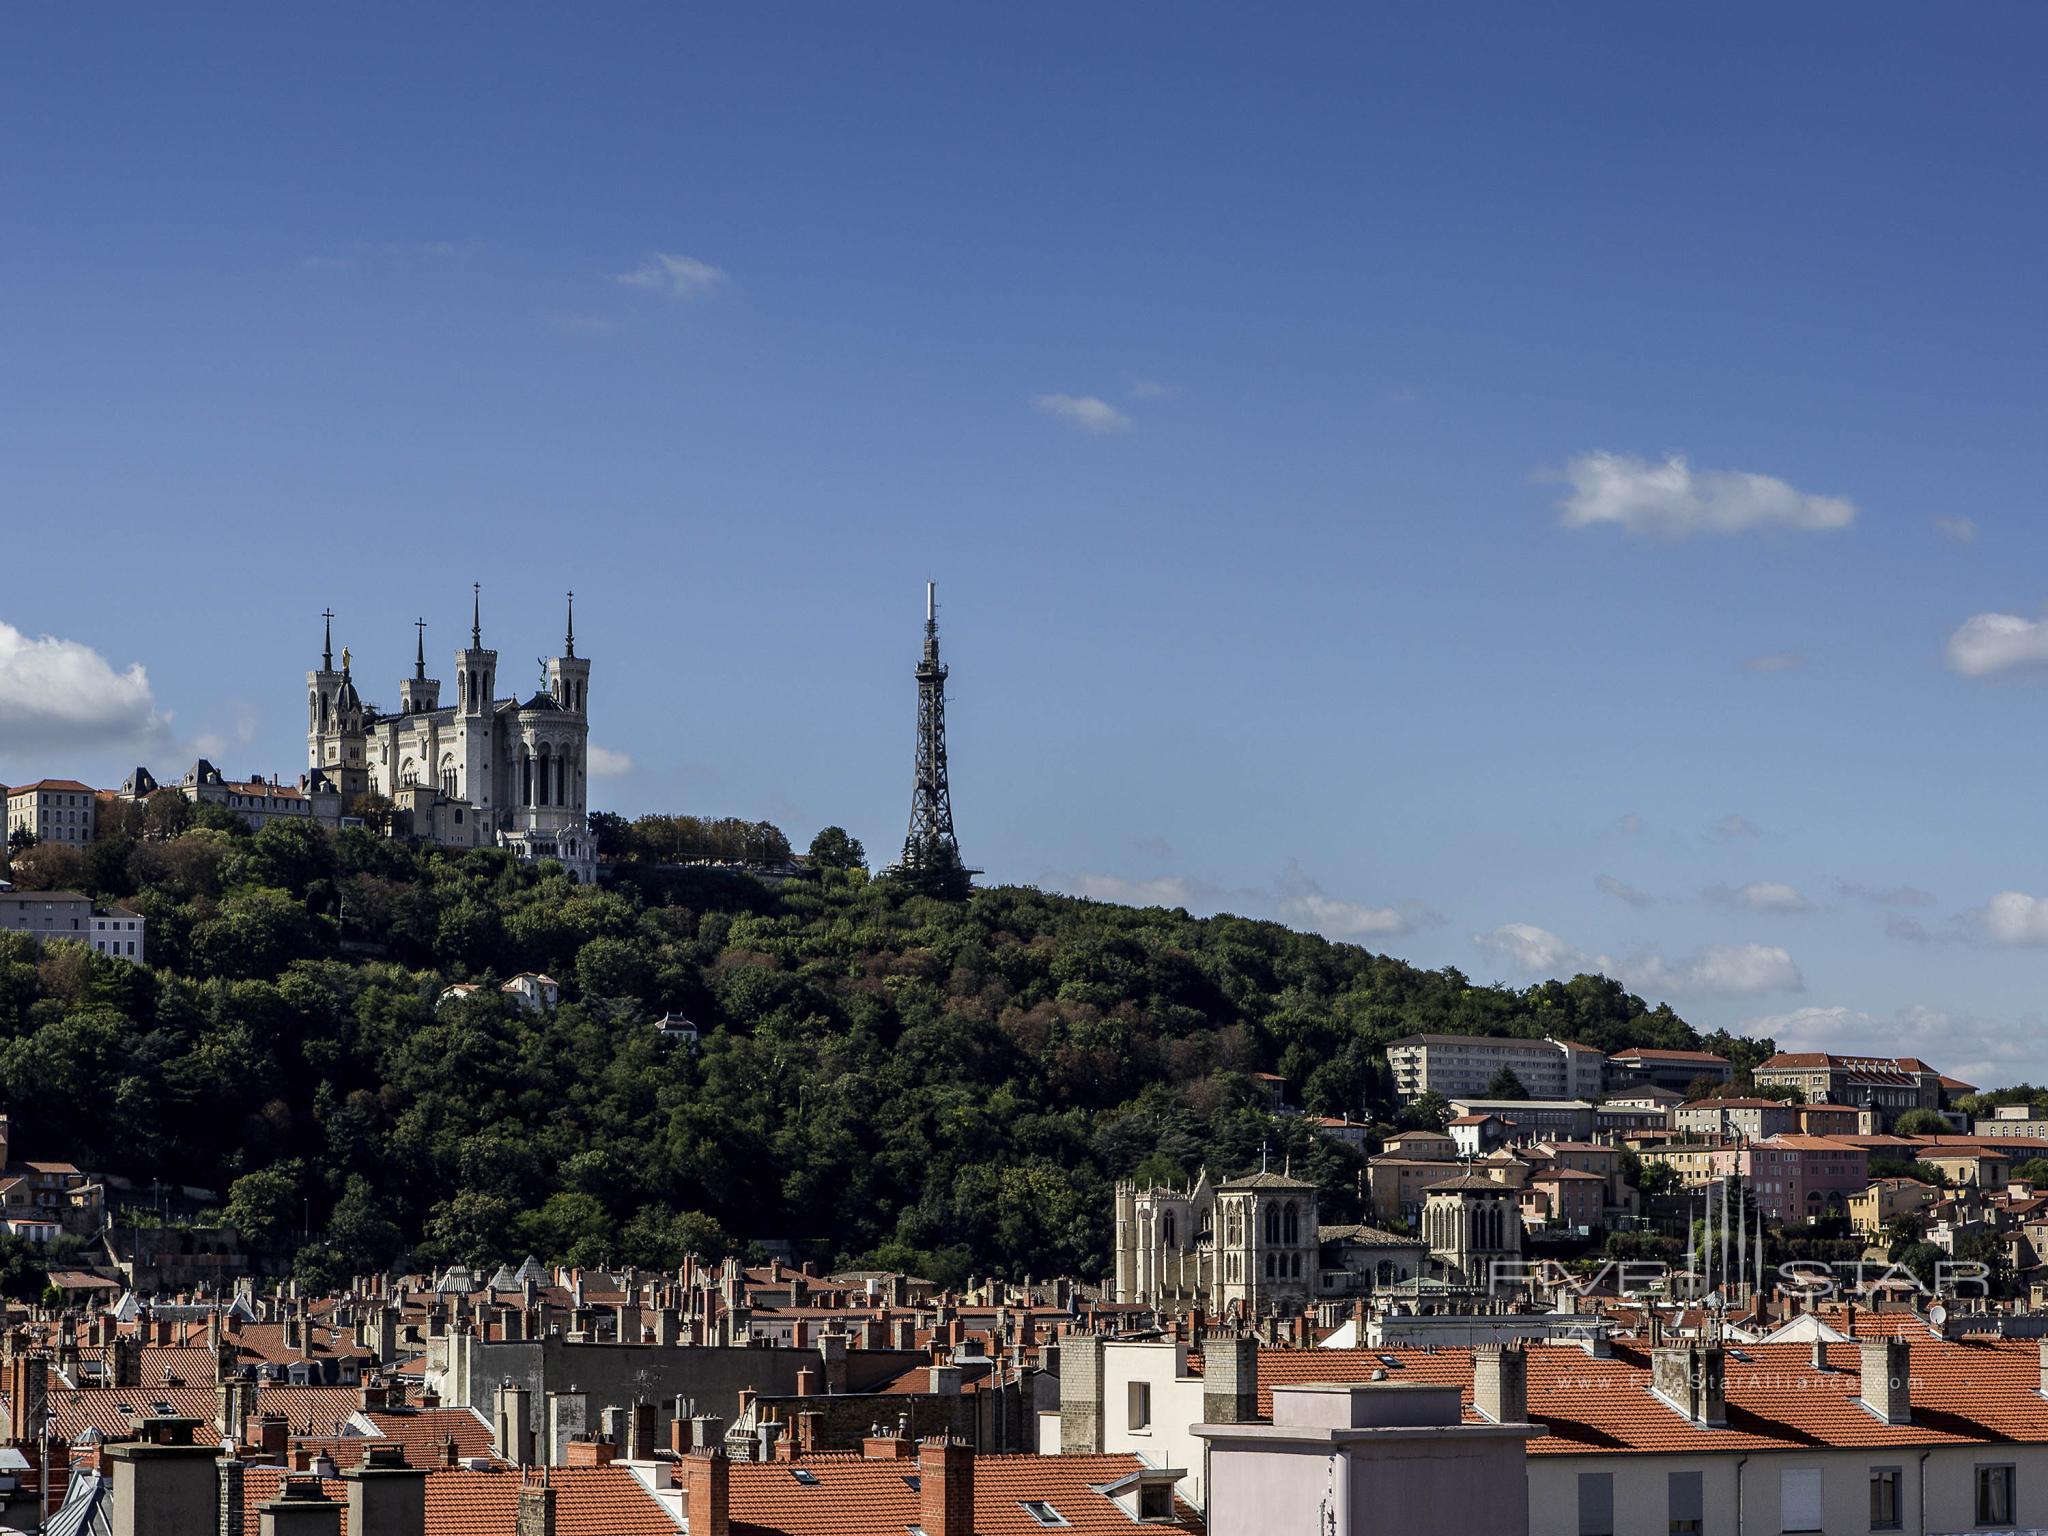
480 772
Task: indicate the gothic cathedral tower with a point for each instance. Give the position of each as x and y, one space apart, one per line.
476 694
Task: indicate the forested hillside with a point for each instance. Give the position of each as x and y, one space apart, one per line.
882 1076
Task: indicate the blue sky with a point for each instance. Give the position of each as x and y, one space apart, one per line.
1521 488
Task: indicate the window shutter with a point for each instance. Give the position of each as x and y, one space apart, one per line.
1799 1499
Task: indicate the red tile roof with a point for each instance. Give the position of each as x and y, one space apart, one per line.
857 1497
589 1501
1962 1393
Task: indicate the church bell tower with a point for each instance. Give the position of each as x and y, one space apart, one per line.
476 692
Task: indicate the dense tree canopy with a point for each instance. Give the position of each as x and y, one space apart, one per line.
882 1075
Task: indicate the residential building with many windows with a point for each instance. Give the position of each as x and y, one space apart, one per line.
1459 1066
52 811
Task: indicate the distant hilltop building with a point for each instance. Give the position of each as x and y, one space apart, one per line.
479 772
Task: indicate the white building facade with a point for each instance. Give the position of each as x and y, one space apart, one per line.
479 772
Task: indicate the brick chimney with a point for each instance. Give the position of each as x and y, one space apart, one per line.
385 1496
1887 1378
946 1492
705 1477
885 1447
536 1515
1500 1384
266 1438
588 1453
1230 1381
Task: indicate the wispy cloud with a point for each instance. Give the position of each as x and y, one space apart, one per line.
1091 413
1733 828
570 323
1885 895
676 277
1986 644
62 695
606 763
372 253
1978 1050
1774 661
1621 891
1631 825
1303 901
1962 529
1293 898
1760 896
1152 389
1718 970
1674 500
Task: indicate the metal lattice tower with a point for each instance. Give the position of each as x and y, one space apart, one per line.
931 841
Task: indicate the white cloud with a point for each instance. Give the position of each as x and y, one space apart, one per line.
1761 896
1152 389
1675 500
1962 529
1622 891
1293 898
677 277
1774 661
1732 828
58 695
1303 901
1091 413
1885 895
1719 970
1978 1050
1531 950
605 763
1632 825
2013 917
1988 643
1161 891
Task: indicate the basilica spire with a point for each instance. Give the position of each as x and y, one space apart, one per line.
419 655
327 641
476 615
569 643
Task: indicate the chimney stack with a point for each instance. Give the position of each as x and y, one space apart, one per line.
385 1496
163 1480
536 1516
946 1487
1500 1384
705 1477
300 1509
1887 1380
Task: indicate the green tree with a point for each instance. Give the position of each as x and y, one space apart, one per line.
264 1207
1505 1085
1427 1111
1920 1122
833 848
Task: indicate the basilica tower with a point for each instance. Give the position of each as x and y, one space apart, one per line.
476 695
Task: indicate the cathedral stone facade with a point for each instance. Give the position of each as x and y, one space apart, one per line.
1250 1244
480 771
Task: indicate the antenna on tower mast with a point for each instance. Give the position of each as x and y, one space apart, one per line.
931 851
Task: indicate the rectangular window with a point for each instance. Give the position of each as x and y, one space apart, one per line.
1884 1498
1799 1499
1138 1406
1994 1495
1596 1504
1685 1498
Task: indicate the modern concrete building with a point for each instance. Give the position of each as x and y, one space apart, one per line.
1350 1459
1459 1066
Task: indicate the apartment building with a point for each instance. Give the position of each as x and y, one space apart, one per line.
1459 1066
1887 1085
48 915
52 811
1676 1071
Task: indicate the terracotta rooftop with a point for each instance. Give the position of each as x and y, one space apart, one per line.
850 1496
589 1501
